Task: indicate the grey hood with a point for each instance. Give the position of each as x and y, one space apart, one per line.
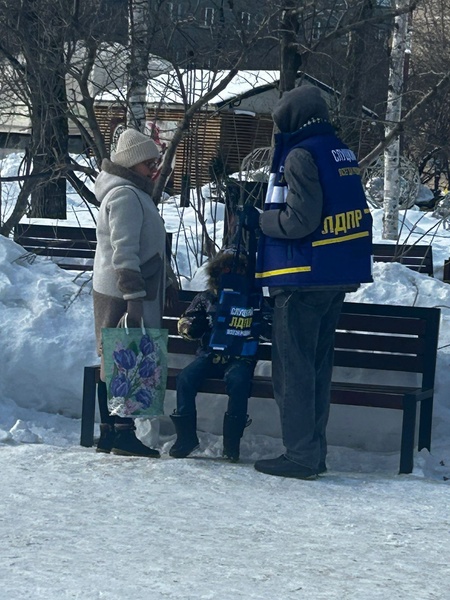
298 106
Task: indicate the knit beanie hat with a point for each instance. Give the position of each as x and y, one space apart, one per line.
133 147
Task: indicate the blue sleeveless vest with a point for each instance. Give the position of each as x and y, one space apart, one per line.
339 251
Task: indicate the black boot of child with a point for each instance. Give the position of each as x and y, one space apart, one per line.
233 429
127 444
186 430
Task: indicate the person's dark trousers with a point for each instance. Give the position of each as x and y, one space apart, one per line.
102 398
105 417
237 374
304 325
107 433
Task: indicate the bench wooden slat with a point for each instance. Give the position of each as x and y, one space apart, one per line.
69 246
72 267
57 244
61 252
418 257
402 250
369 397
382 323
52 232
398 344
374 396
380 362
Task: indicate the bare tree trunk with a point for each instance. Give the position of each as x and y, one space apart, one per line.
49 144
351 108
139 16
393 116
49 123
290 58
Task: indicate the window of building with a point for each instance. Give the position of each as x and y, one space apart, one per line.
316 31
207 17
245 19
175 11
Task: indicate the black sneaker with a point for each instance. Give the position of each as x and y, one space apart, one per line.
284 467
106 440
127 444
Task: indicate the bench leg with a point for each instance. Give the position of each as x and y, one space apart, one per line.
88 406
425 423
408 431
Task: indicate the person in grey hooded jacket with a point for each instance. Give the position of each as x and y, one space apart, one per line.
130 264
314 247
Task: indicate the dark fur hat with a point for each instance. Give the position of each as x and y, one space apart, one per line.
223 262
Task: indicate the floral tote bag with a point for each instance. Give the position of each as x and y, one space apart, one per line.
135 368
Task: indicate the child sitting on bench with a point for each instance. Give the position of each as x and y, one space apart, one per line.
237 370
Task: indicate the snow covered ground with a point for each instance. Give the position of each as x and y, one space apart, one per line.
75 524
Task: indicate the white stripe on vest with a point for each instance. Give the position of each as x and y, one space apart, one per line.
276 194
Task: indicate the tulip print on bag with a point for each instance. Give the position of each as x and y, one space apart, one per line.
135 370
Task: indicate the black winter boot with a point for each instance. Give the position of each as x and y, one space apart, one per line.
107 436
282 466
233 429
127 444
186 429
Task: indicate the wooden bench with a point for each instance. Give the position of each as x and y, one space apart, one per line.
418 257
67 245
380 338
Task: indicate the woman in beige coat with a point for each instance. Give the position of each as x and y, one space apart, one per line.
129 266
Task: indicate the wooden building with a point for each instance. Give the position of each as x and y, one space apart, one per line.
221 134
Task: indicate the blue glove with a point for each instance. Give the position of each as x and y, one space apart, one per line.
251 217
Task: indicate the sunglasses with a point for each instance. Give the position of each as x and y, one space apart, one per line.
151 164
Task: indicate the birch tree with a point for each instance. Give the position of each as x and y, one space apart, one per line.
393 117
139 24
342 45
428 133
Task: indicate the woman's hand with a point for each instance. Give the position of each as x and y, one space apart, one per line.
135 310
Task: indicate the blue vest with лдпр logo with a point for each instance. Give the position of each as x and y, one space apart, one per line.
237 319
339 251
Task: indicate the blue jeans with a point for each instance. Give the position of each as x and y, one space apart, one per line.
237 374
304 325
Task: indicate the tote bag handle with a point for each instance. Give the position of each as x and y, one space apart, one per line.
123 323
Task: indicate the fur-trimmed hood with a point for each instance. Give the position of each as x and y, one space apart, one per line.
113 175
223 260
